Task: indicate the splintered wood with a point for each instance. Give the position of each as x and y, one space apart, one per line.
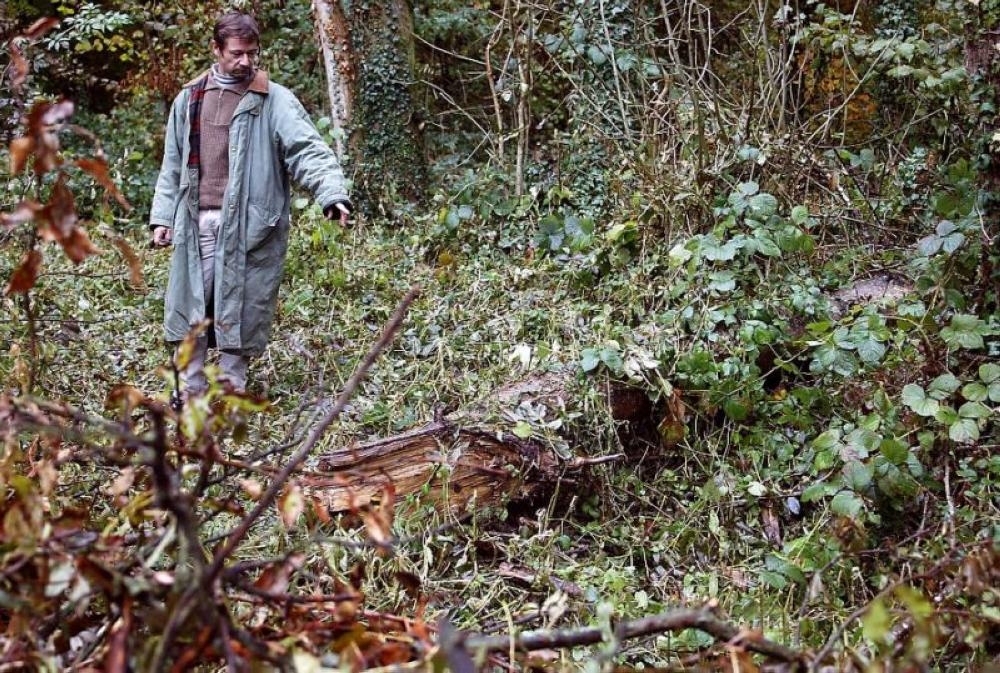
452 467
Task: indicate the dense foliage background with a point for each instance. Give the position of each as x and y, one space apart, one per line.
770 227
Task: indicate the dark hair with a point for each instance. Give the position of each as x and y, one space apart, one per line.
235 24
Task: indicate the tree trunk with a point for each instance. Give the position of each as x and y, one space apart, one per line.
386 138
338 62
982 62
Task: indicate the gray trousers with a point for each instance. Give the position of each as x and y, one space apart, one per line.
232 365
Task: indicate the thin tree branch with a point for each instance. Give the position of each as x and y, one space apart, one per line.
300 455
703 619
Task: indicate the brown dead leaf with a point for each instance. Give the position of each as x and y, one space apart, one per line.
252 488
23 212
134 263
183 355
78 245
275 578
291 504
123 483
320 510
60 211
26 274
378 519
117 657
40 27
98 169
772 527
673 425
20 65
20 150
124 397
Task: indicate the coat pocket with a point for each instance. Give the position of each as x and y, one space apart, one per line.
261 224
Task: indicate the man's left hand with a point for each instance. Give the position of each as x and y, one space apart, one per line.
338 211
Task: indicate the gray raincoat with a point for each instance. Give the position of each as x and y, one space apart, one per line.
270 138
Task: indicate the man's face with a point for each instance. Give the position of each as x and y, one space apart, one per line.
238 57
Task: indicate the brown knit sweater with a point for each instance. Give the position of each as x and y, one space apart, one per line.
216 114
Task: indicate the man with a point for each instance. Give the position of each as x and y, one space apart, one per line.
222 199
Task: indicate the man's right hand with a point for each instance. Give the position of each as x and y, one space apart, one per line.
162 236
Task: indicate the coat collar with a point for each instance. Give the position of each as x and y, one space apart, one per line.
258 84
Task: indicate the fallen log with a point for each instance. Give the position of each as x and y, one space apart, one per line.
454 468
465 459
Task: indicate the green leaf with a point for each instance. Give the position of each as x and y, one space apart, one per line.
799 215
522 429
597 56
722 281
756 489
943 386
964 431
895 451
946 415
827 441
612 359
974 410
857 475
765 244
989 372
916 399
814 492
975 392
846 503
589 359
965 331
875 622
994 391
870 351
720 253
763 205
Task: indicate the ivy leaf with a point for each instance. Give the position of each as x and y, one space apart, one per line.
916 399
522 429
827 441
720 252
765 244
589 359
799 215
952 242
722 281
597 56
929 245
